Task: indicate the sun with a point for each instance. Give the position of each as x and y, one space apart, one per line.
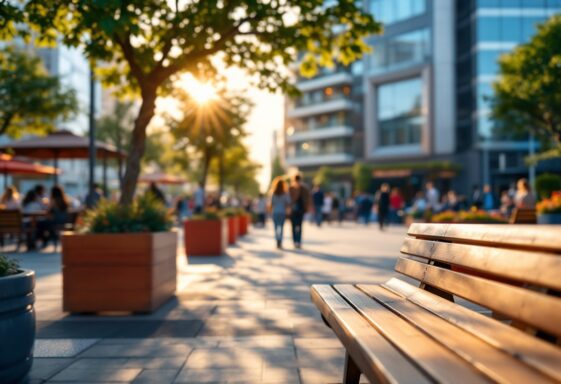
201 92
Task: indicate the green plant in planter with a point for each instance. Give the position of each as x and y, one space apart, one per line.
229 212
546 184
145 214
208 215
8 266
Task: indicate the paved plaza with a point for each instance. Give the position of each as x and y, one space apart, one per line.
245 317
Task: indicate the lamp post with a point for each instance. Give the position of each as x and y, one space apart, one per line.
90 201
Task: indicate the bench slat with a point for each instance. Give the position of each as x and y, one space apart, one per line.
494 363
535 352
533 237
377 359
440 363
529 267
532 308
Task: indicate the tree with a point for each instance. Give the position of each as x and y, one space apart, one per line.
115 129
276 168
31 100
528 92
362 176
235 169
323 177
209 130
147 42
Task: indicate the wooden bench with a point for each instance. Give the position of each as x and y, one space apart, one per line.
506 327
523 216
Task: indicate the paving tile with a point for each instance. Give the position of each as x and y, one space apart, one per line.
61 347
124 350
107 374
45 368
265 342
317 343
320 376
231 375
157 363
280 375
156 376
225 358
328 358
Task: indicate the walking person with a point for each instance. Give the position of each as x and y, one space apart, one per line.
299 199
199 199
524 197
279 204
383 205
318 198
327 208
396 205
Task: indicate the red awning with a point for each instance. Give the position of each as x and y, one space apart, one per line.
10 166
161 178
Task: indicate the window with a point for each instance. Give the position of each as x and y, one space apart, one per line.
400 112
401 51
391 11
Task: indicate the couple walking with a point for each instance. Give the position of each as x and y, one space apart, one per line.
292 201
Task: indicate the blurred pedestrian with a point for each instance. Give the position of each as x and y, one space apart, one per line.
488 200
318 198
261 210
383 205
524 197
279 204
476 197
299 200
10 199
327 207
199 199
396 204
432 197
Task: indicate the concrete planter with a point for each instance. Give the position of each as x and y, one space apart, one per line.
17 326
549 218
205 237
133 272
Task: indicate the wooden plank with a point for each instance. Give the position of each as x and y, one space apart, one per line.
497 365
378 360
529 307
542 355
534 237
537 268
435 359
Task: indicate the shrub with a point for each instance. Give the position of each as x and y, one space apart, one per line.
145 214
445 217
229 212
8 266
475 216
551 205
546 184
207 215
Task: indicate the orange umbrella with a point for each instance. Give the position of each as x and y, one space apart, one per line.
10 166
161 178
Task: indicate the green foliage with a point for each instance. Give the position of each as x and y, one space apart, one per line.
31 101
8 266
362 175
546 184
146 214
234 168
207 215
324 177
527 93
277 169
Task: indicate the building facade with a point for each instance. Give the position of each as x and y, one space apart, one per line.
415 107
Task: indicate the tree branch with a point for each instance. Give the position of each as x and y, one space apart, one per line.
128 53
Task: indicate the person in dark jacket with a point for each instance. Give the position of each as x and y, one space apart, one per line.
318 198
383 205
299 200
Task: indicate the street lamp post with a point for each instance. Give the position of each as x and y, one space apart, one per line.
92 149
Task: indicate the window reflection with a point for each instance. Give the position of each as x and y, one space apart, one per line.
401 51
400 112
391 11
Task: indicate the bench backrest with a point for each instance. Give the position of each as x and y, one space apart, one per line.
514 271
523 216
11 221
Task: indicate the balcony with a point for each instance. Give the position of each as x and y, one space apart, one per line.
335 105
321 133
320 159
325 81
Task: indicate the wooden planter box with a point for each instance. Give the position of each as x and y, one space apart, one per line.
244 224
133 272
205 237
233 229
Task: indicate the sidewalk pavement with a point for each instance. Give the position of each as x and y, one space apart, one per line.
245 317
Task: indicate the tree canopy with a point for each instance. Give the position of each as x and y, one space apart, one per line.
31 100
147 42
528 91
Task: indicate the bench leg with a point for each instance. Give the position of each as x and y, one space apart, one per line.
352 373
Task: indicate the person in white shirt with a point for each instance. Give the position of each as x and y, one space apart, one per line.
199 198
10 199
327 207
433 197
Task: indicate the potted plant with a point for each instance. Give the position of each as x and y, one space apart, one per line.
17 321
549 210
444 217
232 218
243 221
122 259
206 235
416 217
475 216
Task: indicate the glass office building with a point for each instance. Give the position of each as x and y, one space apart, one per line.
422 95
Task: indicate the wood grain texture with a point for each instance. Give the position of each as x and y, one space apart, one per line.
537 268
98 277
377 358
205 237
529 237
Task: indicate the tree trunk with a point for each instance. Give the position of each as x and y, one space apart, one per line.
138 145
206 165
221 174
